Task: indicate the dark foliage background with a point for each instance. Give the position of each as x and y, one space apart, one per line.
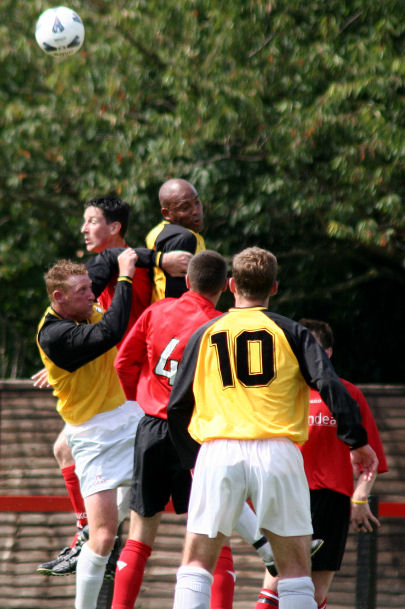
287 116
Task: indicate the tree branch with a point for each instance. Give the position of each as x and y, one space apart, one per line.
266 41
350 20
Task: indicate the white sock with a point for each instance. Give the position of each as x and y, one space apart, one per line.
296 593
193 588
89 577
247 529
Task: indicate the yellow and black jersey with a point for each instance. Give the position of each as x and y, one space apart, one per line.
167 237
246 375
79 357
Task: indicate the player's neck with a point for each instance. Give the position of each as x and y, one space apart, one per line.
116 241
243 303
213 298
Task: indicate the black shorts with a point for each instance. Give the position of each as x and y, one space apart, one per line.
330 512
158 474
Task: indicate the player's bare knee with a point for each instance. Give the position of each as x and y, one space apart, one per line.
202 551
293 565
62 452
102 540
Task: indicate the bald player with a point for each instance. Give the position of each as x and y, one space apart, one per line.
180 228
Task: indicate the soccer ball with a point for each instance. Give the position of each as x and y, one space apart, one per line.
59 31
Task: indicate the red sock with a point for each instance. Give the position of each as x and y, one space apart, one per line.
73 489
323 604
223 586
267 598
129 574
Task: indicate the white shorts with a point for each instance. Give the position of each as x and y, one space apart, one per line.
103 448
269 472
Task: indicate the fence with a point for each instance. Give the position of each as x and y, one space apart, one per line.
28 426
367 544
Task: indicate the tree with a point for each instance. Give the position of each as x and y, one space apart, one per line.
288 117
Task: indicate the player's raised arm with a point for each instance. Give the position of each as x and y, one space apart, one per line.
104 266
126 262
176 263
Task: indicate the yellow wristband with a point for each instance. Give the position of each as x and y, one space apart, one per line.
360 501
125 278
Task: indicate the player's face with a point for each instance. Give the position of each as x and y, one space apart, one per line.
188 211
98 234
78 298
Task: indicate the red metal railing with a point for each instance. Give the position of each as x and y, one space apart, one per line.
61 503
391 509
41 503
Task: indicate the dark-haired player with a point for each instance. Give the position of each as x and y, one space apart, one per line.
146 364
334 500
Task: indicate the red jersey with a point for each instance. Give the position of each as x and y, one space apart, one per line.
141 295
326 458
148 358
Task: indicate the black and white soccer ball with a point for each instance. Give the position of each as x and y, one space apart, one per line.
59 31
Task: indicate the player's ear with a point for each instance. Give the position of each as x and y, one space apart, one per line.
274 289
226 285
115 228
58 296
188 282
231 284
165 213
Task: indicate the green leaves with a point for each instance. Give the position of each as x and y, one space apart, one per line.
287 116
